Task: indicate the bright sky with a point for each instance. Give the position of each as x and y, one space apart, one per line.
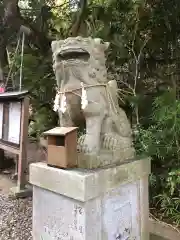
23 3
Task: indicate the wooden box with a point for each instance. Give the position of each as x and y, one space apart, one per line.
62 147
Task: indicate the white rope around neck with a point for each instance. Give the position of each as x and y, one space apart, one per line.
60 102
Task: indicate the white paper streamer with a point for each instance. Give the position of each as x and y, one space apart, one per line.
63 106
56 102
84 101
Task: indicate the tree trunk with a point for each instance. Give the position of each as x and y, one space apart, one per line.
3 59
12 23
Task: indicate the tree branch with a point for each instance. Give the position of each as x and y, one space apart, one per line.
76 26
13 22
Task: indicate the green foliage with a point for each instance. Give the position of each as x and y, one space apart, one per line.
44 120
62 20
38 78
166 201
161 141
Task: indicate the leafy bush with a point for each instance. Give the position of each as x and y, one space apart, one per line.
161 141
38 78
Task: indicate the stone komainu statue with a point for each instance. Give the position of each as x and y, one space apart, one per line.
85 98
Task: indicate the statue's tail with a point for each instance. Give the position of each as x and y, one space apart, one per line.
118 115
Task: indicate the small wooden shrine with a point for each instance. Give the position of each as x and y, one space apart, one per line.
62 147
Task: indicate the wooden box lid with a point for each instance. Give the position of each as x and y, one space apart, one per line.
60 131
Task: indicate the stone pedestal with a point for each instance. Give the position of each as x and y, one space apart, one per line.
102 204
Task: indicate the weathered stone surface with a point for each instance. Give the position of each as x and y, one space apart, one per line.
163 231
84 185
102 204
108 133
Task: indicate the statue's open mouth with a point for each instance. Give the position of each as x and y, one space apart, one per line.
73 54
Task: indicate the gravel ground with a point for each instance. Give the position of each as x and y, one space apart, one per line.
15 218
16 215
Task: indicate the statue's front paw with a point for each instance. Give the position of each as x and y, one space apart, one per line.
87 145
87 149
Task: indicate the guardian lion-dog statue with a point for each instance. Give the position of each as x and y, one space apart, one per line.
85 98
